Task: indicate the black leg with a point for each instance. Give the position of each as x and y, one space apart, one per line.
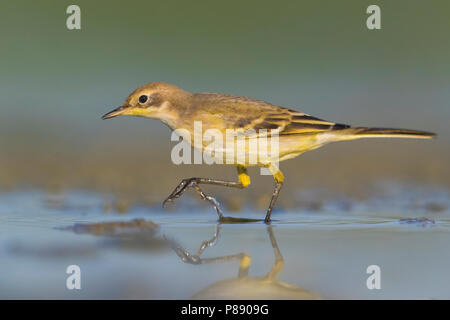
273 200
194 183
244 181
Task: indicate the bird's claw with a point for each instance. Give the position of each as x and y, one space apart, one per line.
186 184
165 202
179 190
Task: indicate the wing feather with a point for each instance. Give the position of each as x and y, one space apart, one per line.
289 121
245 114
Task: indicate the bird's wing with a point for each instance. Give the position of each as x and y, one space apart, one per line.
286 121
242 113
302 123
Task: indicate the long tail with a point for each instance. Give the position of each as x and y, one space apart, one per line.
364 132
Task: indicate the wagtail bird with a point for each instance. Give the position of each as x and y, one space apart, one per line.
297 132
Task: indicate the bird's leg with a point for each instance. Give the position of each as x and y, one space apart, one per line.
279 178
244 181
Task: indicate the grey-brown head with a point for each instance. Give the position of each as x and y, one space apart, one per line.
157 100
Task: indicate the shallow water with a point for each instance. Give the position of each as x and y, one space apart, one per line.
304 254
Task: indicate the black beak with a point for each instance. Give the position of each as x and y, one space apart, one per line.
114 113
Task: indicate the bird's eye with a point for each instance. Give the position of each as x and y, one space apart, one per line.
143 99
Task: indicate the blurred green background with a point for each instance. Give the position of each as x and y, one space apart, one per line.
314 56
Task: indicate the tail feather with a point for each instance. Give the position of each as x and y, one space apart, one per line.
364 132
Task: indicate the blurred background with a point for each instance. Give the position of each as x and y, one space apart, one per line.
66 176
314 56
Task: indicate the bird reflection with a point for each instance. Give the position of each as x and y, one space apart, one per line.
244 286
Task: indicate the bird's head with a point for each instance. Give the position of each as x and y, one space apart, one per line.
157 100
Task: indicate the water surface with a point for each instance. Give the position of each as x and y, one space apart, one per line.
305 254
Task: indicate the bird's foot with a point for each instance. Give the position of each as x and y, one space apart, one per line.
267 218
194 183
179 190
